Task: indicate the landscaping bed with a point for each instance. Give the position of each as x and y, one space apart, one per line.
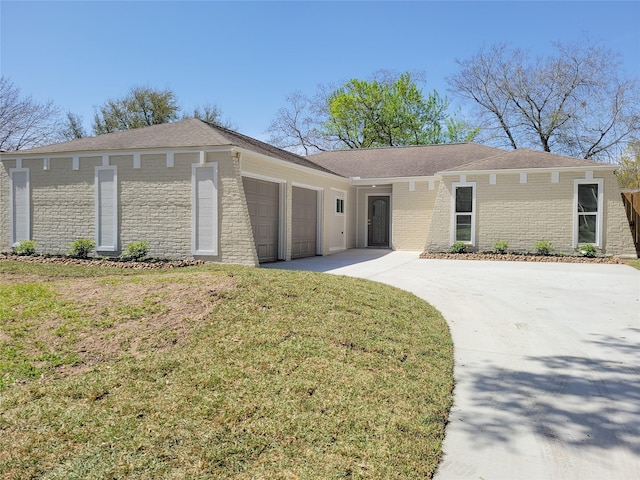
521 257
145 264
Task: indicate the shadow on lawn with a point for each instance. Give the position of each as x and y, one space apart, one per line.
571 400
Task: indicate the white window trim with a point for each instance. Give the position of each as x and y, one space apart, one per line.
599 213
454 186
336 198
194 200
340 195
12 229
114 247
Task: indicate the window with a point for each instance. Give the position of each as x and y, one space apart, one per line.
20 205
106 178
588 212
204 207
339 205
463 225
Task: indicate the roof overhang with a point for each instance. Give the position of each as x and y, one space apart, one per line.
284 163
582 168
98 153
362 182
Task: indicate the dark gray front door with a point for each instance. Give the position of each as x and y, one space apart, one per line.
378 222
264 209
304 222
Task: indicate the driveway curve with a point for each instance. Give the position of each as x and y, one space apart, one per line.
547 361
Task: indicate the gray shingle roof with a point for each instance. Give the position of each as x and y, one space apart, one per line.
524 158
190 133
390 162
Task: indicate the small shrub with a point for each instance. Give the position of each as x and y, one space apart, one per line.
25 247
81 248
588 250
458 247
500 246
543 247
136 251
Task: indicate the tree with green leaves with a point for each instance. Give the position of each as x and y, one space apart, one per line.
389 110
141 107
73 128
629 172
211 113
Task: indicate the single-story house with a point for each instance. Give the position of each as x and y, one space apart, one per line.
195 190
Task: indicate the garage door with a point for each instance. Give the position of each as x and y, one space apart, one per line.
304 222
263 204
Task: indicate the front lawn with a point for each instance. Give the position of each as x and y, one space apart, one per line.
217 372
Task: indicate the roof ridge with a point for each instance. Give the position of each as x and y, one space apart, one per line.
396 147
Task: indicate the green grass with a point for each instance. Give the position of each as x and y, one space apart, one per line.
633 263
218 372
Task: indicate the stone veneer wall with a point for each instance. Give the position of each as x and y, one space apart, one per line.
154 204
524 213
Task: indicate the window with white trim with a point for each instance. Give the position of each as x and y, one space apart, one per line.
588 212
19 205
106 178
204 208
464 222
339 205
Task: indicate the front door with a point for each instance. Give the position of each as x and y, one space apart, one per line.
378 222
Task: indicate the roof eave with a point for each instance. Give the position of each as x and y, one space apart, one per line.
582 168
286 163
129 151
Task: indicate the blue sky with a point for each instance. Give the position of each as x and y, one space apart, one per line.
246 57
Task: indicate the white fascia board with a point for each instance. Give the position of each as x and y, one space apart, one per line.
364 182
113 153
284 163
517 171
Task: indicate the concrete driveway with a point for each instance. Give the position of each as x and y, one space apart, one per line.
547 361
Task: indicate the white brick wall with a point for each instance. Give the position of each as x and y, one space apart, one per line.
524 213
154 204
412 213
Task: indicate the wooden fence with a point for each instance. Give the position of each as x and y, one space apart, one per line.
631 202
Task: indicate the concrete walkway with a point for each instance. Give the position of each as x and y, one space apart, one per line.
547 361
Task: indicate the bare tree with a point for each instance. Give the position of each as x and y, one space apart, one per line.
574 102
25 123
296 126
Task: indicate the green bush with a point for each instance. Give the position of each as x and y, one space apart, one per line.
135 251
500 246
543 247
25 247
588 250
81 248
458 247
